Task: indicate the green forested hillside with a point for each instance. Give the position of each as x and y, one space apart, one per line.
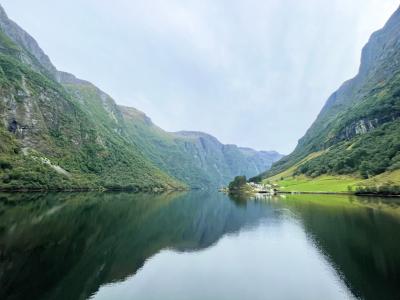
48 141
43 127
60 132
357 133
194 158
165 150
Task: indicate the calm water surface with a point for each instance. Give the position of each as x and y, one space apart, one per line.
198 245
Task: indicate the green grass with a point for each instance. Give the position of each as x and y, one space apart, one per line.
323 184
387 178
332 184
8 45
290 171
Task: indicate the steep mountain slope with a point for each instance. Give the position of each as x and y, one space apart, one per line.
61 132
48 140
195 158
358 130
223 161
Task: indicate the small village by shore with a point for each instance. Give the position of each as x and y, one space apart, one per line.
240 185
271 189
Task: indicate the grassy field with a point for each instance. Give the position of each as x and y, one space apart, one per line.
287 182
323 184
387 178
289 172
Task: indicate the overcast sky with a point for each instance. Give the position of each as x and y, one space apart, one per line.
251 72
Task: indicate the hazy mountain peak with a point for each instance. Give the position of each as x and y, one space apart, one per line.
357 129
26 42
65 119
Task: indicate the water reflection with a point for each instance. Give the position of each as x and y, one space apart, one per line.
64 246
359 236
123 245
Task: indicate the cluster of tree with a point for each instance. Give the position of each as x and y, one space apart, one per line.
379 104
385 190
368 155
237 183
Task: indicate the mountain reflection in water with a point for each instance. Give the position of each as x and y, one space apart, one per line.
197 245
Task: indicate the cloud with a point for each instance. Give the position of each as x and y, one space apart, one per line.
254 73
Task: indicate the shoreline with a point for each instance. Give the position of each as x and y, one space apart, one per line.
339 193
84 190
144 190
314 193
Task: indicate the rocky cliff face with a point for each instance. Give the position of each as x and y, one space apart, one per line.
196 158
361 107
60 132
225 161
259 159
29 52
363 126
48 139
380 64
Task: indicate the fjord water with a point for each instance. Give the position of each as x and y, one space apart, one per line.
198 245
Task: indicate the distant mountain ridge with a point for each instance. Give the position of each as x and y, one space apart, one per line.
61 132
197 158
358 130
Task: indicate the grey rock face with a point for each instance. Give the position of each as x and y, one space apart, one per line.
363 126
22 38
31 53
33 116
67 78
225 161
380 62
